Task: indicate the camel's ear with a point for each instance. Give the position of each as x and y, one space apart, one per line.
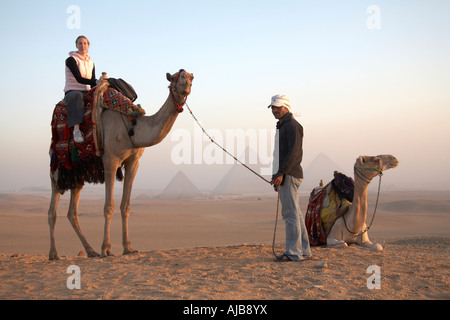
169 77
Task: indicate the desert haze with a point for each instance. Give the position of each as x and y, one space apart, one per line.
215 247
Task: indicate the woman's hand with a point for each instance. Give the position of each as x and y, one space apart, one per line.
104 77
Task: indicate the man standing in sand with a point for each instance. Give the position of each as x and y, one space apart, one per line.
287 177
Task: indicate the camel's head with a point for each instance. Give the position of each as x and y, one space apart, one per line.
181 82
388 161
371 166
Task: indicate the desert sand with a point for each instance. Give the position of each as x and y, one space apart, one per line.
221 249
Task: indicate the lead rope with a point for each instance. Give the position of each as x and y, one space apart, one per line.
276 223
357 234
224 150
212 140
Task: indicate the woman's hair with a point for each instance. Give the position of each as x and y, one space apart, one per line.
79 37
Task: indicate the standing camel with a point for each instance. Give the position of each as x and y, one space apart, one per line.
122 150
351 227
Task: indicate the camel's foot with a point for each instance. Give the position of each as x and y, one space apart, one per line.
53 255
106 249
129 251
108 253
376 247
370 246
337 244
92 254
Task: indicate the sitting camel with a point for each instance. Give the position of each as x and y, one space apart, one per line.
121 149
350 227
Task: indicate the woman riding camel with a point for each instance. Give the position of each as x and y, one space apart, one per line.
80 78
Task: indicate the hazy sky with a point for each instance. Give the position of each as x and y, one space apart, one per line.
364 77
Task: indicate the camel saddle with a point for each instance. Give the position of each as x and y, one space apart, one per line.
78 163
107 96
327 204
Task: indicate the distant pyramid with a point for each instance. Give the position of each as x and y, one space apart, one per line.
321 168
239 180
146 195
180 187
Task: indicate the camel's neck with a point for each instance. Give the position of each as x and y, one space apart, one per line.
151 130
359 204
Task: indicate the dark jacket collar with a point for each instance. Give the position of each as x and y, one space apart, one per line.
286 118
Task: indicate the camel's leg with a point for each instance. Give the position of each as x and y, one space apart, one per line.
53 255
366 243
110 174
72 215
331 242
335 237
131 168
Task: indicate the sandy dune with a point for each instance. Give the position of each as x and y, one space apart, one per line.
221 249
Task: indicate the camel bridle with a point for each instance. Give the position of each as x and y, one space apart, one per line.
359 171
179 107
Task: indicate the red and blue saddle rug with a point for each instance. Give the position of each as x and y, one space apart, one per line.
319 220
313 222
77 163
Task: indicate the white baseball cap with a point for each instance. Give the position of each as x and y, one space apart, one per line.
280 100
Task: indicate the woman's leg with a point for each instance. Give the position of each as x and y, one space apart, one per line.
75 112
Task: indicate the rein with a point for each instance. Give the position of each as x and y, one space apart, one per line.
223 149
179 107
276 222
359 172
247 167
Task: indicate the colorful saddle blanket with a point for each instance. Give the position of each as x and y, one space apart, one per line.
78 163
325 206
116 101
332 210
313 222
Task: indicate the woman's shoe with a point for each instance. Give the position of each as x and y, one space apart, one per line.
78 136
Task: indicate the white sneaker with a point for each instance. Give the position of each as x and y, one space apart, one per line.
78 136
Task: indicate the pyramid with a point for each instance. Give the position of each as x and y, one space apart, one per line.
180 187
239 180
321 168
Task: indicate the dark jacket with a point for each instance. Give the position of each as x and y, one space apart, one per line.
290 147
